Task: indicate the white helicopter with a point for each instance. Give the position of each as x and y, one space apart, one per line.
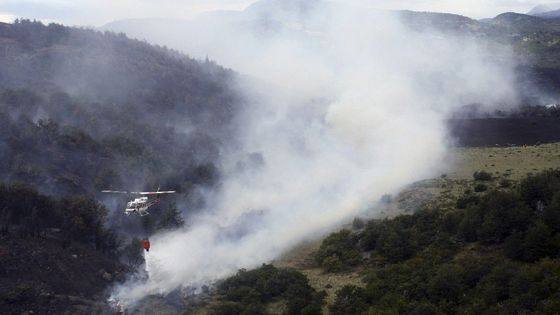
140 205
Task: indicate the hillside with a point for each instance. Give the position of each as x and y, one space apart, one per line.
534 39
82 111
56 255
469 251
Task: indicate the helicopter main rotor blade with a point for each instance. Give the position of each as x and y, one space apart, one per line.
115 192
156 192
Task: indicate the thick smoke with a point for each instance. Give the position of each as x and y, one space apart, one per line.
351 105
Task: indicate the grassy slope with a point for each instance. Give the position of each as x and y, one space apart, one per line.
511 163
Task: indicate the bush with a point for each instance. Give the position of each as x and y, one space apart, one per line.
503 213
371 233
447 283
339 249
480 188
395 245
451 220
504 183
227 308
540 242
551 213
250 290
350 300
80 219
482 176
133 254
540 187
358 224
421 274
466 200
170 219
332 264
469 225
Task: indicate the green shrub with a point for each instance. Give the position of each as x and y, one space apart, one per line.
350 300
482 176
504 183
513 268
480 188
250 290
227 308
332 264
341 249
466 200
358 224
540 187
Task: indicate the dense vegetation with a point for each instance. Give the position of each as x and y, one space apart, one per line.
248 292
82 111
497 253
27 213
53 247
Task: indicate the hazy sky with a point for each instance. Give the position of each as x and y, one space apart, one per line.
99 12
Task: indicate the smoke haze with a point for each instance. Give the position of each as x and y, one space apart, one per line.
344 105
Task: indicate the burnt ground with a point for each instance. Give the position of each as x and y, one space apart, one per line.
38 276
485 132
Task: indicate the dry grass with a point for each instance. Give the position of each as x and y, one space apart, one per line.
510 162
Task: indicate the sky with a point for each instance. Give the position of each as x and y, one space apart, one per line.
100 12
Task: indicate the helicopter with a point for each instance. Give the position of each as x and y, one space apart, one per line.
141 204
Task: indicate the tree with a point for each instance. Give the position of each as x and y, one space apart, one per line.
480 188
370 235
350 300
540 187
447 284
395 245
133 254
339 250
469 224
170 219
482 176
513 246
251 289
539 242
503 212
551 213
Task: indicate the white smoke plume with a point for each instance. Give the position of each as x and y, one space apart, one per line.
353 107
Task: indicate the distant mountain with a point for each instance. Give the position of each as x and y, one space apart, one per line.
548 11
446 22
549 14
218 33
539 9
115 101
523 24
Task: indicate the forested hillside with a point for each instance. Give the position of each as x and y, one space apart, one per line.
82 111
56 253
495 253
